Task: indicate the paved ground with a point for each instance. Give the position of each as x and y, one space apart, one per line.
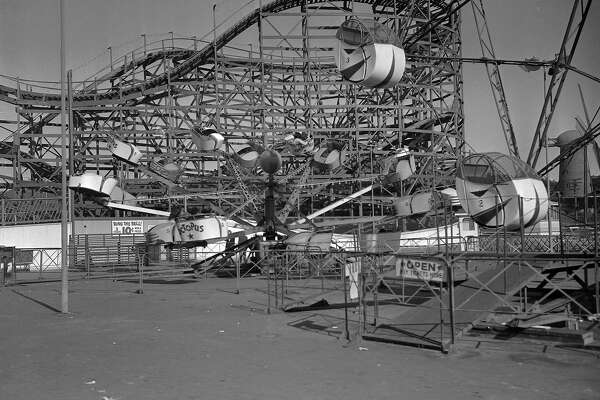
199 340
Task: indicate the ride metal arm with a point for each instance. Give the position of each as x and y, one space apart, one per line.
558 74
333 205
493 72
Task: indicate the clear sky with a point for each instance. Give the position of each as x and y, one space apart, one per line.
29 48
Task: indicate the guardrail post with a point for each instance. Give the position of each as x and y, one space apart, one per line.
375 302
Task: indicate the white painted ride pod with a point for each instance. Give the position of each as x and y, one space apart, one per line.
532 195
405 167
125 151
118 195
482 202
450 196
385 65
418 203
351 61
172 171
376 65
93 184
208 139
247 157
329 158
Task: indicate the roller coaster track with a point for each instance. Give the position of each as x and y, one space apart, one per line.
173 72
191 60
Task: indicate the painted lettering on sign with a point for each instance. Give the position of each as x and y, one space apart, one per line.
127 227
419 269
189 227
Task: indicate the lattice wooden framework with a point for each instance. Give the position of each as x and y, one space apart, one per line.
274 74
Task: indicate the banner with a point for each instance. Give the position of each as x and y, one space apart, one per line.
127 227
420 269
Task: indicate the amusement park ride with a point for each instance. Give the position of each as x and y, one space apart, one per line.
350 120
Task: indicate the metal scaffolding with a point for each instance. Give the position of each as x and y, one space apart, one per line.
269 75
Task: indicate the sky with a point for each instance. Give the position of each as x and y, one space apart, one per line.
30 38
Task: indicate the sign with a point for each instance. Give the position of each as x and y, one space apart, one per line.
352 270
127 227
424 270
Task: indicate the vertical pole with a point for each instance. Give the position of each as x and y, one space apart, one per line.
276 276
450 283
287 275
63 142
548 186
441 286
145 43
344 272
262 72
217 108
86 259
596 277
268 283
41 263
363 301
560 227
141 269
521 224
375 303
14 264
597 286
282 277
237 275
586 168
3 268
71 154
497 224
596 224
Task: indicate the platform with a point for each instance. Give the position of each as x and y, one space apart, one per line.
422 326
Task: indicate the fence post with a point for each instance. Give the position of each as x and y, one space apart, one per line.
141 269
521 224
450 283
346 330
237 275
41 263
86 258
560 227
441 286
375 293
